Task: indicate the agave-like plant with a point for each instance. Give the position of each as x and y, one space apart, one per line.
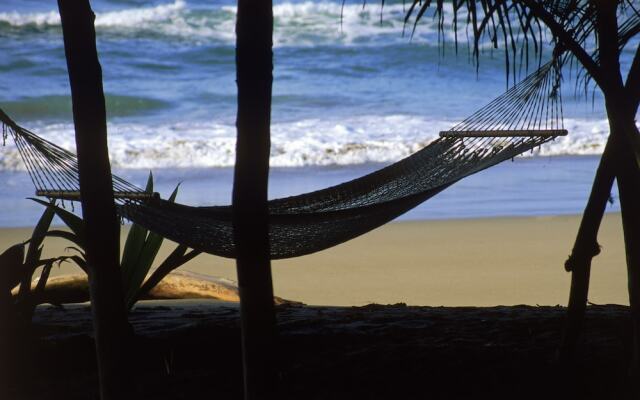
17 269
140 251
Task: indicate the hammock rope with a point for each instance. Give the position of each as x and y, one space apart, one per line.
523 118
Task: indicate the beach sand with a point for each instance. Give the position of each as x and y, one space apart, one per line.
478 262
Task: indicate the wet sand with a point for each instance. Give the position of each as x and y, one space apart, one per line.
467 262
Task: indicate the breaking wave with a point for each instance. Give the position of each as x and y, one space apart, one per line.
307 23
309 142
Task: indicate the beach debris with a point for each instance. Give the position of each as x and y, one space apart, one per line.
74 288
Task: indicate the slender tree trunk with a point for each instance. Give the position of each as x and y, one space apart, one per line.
584 249
628 176
254 64
98 209
628 186
622 126
618 160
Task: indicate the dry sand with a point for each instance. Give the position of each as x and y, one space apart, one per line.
480 262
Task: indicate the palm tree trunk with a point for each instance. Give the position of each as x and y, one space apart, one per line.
254 65
98 209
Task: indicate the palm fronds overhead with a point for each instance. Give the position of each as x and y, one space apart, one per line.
523 29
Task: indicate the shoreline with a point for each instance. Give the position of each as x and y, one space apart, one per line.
483 262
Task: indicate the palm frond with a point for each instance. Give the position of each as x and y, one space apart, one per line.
520 28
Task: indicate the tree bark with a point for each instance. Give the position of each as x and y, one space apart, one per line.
622 127
618 160
254 65
628 186
628 176
98 208
584 249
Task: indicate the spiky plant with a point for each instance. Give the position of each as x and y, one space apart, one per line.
138 256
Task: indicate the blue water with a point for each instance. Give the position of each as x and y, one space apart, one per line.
350 94
523 187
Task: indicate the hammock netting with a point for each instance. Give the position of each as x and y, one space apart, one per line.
526 116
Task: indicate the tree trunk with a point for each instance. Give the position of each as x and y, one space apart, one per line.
585 248
98 209
618 160
621 115
628 176
254 65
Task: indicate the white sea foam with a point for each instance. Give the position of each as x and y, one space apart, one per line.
123 18
294 144
296 24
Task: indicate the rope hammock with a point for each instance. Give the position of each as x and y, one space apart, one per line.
526 116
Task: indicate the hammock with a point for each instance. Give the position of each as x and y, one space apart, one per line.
526 116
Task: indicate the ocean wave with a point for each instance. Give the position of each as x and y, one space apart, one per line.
306 23
309 142
122 18
59 106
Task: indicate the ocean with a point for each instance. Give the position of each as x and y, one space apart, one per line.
353 91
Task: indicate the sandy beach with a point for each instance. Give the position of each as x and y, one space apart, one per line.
467 262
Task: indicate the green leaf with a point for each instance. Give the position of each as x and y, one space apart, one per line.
44 276
75 223
133 249
135 274
38 235
141 269
176 259
149 187
34 252
172 198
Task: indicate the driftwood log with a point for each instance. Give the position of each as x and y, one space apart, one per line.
176 285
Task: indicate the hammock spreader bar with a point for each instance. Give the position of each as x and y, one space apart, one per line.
74 195
552 133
